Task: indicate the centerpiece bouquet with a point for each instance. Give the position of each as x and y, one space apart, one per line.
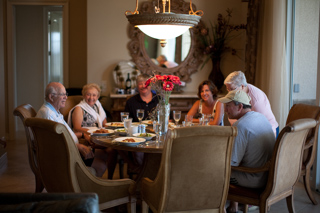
163 85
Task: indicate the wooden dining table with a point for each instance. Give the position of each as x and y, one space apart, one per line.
152 154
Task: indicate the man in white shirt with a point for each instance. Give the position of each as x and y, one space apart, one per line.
55 98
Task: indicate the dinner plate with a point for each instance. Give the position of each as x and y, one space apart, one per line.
148 122
92 132
120 132
143 135
137 141
114 125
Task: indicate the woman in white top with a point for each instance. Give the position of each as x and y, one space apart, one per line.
90 113
208 104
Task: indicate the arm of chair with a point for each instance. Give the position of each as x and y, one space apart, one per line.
264 168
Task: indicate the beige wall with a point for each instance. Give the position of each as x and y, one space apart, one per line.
107 38
2 76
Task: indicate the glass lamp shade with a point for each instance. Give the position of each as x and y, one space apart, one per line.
163 31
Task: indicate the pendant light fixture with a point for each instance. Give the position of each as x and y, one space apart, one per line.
164 25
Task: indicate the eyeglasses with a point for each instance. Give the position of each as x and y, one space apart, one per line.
60 94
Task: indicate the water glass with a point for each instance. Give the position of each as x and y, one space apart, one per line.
124 115
189 119
206 119
157 129
127 124
140 114
177 116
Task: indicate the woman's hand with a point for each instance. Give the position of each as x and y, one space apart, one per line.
85 151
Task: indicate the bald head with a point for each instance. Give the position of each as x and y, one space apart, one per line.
55 94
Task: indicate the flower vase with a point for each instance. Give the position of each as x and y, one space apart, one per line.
163 117
216 75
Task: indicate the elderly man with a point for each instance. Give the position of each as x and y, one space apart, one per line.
259 101
55 98
253 146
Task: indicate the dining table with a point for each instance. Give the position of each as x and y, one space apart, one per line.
152 154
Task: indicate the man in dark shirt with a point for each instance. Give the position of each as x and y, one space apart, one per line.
146 99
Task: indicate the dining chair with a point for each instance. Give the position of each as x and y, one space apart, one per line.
194 171
71 102
283 169
62 169
25 111
299 111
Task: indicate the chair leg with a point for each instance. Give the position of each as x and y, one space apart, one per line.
39 185
131 206
121 165
145 207
290 203
245 208
306 181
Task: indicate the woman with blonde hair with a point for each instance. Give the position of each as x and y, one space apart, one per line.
90 113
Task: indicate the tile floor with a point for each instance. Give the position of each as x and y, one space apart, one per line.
17 176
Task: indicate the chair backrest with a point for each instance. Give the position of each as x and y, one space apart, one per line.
195 168
299 111
25 111
70 103
287 157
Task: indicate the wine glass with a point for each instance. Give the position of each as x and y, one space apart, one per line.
157 129
124 115
140 114
127 124
177 116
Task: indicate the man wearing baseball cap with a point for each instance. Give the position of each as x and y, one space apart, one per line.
253 146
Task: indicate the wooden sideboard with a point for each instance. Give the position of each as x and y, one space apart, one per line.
182 102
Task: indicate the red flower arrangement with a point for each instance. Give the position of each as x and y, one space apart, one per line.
163 85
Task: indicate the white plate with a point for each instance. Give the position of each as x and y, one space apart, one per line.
110 131
147 138
148 122
115 125
137 141
120 132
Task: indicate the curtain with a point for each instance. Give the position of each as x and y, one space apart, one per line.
271 74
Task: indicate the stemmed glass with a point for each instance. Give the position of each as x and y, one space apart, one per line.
140 114
127 124
157 129
124 115
177 116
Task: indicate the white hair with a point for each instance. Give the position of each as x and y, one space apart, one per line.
236 78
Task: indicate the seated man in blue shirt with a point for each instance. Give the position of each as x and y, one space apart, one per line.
253 146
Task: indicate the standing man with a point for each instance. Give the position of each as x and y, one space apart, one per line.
253 146
259 100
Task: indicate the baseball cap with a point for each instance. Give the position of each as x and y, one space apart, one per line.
236 95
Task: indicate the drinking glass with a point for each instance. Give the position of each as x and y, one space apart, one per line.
124 115
188 119
206 119
157 129
177 116
127 124
140 114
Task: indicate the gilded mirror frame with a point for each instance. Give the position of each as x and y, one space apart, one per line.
142 60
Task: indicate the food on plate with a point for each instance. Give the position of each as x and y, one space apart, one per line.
121 130
101 131
128 140
145 135
116 124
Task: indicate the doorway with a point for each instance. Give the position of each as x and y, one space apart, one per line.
28 61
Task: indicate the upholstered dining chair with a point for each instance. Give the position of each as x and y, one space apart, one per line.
299 111
71 102
25 111
283 169
62 169
194 172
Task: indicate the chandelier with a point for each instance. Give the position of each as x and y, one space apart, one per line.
165 25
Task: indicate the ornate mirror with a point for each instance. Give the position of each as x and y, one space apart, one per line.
187 55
